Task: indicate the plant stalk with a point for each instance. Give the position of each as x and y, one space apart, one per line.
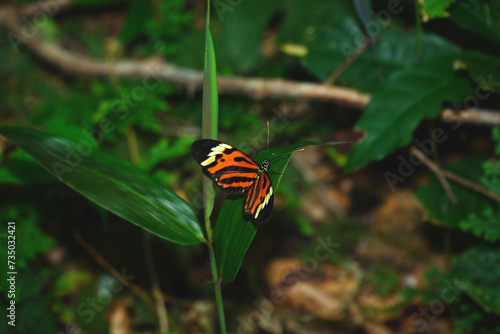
217 289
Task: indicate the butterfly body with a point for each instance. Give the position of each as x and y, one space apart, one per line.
235 173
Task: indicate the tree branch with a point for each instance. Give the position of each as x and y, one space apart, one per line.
256 88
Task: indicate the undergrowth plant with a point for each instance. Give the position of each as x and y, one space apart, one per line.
121 188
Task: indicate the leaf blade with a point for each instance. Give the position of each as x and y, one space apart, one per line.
412 95
111 183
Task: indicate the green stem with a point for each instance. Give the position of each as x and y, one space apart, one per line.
217 288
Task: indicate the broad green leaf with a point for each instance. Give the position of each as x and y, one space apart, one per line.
395 51
482 19
476 273
437 205
435 9
233 231
412 95
111 183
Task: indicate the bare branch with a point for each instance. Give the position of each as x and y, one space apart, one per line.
154 68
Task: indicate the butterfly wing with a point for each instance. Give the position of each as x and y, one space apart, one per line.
260 199
232 170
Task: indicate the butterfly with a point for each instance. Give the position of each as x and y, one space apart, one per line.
235 173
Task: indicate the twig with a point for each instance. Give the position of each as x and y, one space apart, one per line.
137 290
454 177
154 69
345 65
472 116
474 186
437 171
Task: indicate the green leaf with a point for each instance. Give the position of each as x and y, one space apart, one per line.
478 18
396 51
477 272
111 183
484 223
210 93
439 208
412 95
233 231
435 9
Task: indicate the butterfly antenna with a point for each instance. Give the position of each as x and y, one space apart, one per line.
290 152
267 140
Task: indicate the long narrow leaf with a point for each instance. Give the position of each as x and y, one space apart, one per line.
210 94
210 111
111 183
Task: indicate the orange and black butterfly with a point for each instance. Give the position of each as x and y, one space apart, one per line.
235 173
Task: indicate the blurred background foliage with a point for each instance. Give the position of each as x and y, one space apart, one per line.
400 248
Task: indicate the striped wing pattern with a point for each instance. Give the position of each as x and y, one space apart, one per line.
235 173
259 199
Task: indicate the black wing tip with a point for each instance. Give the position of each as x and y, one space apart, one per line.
201 148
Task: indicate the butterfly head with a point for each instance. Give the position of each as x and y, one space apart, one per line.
264 166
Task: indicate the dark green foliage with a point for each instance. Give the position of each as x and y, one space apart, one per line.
439 208
385 280
27 230
474 212
476 272
483 20
473 319
31 300
397 50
